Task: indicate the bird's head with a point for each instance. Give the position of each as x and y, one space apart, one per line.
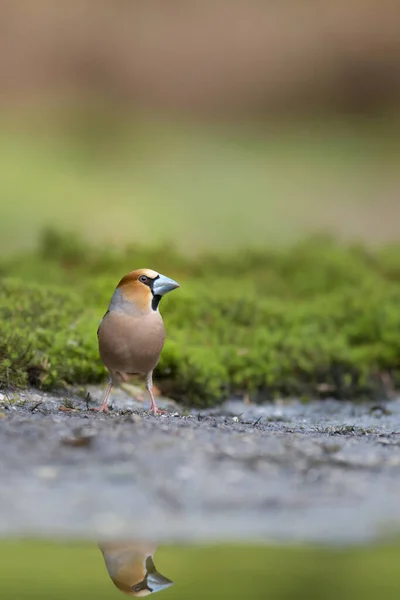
132 570
145 288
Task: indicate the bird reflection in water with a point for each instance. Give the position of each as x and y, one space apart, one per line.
132 569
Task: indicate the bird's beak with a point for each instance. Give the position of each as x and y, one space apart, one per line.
162 285
157 582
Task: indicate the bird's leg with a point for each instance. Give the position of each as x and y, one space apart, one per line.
149 387
104 404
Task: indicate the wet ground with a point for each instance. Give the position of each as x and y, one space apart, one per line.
327 471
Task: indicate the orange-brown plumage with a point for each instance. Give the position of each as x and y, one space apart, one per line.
133 276
131 334
135 291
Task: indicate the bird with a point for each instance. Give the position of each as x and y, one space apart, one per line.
131 567
131 334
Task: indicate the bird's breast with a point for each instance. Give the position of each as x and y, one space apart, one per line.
130 343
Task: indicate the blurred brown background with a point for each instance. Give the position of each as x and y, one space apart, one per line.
247 56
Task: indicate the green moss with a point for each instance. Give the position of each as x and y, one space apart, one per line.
49 340
316 319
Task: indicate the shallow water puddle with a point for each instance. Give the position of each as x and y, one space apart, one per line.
64 570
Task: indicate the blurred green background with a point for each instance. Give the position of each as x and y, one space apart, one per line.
74 570
200 186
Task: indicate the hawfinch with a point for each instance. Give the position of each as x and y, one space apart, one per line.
131 334
131 568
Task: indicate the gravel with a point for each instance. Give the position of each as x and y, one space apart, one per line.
325 472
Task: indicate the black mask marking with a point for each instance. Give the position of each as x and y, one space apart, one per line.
155 301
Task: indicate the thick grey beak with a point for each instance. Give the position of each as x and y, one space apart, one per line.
157 582
162 285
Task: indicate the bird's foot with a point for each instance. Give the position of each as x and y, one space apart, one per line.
157 411
100 409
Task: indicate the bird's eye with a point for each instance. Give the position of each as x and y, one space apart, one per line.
137 588
143 279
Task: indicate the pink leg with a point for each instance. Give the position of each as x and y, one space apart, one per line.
149 387
104 405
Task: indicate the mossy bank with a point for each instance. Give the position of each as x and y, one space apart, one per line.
315 319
